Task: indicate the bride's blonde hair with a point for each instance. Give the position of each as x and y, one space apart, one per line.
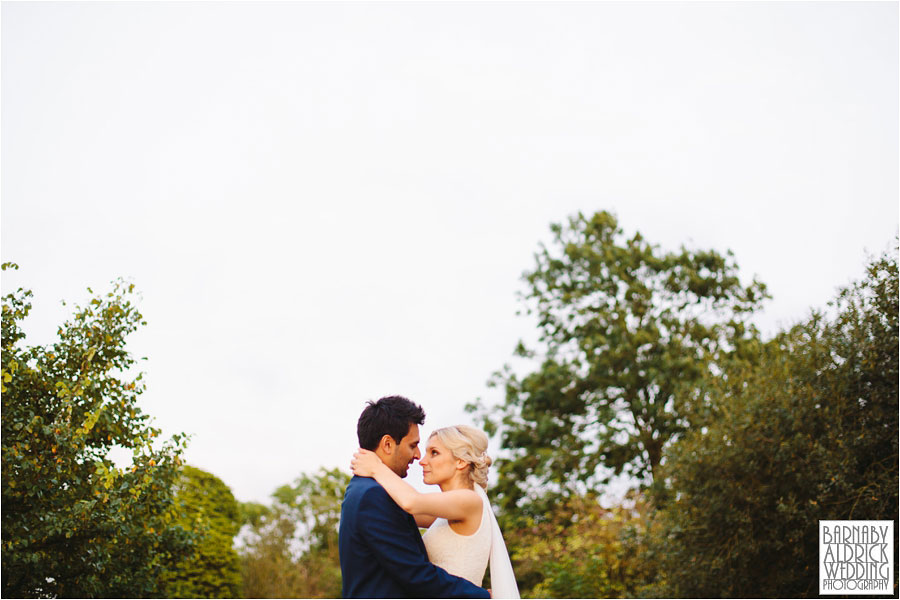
468 444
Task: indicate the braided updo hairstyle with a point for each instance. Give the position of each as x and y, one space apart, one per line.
468 444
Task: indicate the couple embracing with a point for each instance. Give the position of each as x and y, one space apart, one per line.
382 553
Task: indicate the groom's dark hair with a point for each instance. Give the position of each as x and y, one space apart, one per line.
391 415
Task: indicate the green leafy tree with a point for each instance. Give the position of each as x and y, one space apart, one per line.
269 565
811 434
291 548
316 503
253 513
206 506
626 333
583 550
74 524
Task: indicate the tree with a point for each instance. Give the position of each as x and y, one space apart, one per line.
73 523
206 506
626 332
316 503
291 548
583 550
811 434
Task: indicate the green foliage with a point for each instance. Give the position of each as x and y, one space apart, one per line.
252 513
292 546
809 434
315 500
582 550
75 525
628 332
207 507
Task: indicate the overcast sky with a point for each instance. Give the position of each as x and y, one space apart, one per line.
326 203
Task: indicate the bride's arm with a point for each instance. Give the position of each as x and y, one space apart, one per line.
453 505
424 520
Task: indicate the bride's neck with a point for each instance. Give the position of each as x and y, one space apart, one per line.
457 483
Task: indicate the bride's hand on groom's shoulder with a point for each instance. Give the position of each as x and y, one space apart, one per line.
364 463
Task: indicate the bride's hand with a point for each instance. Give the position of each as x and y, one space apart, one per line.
364 463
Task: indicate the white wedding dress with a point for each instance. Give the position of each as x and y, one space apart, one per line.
467 556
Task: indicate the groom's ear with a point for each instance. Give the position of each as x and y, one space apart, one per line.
386 444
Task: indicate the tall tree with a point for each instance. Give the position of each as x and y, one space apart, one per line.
291 547
626 332
73 523
810 435
206 506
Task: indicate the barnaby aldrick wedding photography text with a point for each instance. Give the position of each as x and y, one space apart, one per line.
856 557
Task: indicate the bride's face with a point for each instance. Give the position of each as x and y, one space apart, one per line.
438 464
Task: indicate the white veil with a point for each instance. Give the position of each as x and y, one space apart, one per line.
503 581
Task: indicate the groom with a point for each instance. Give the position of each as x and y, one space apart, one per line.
382 553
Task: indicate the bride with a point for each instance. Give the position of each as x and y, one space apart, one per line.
463 535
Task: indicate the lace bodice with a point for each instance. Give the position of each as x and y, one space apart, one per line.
465 556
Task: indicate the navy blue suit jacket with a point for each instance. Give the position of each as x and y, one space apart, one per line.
382 553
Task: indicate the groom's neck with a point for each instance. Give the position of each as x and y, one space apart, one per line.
385 458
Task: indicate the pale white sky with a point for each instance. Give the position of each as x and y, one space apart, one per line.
327 203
